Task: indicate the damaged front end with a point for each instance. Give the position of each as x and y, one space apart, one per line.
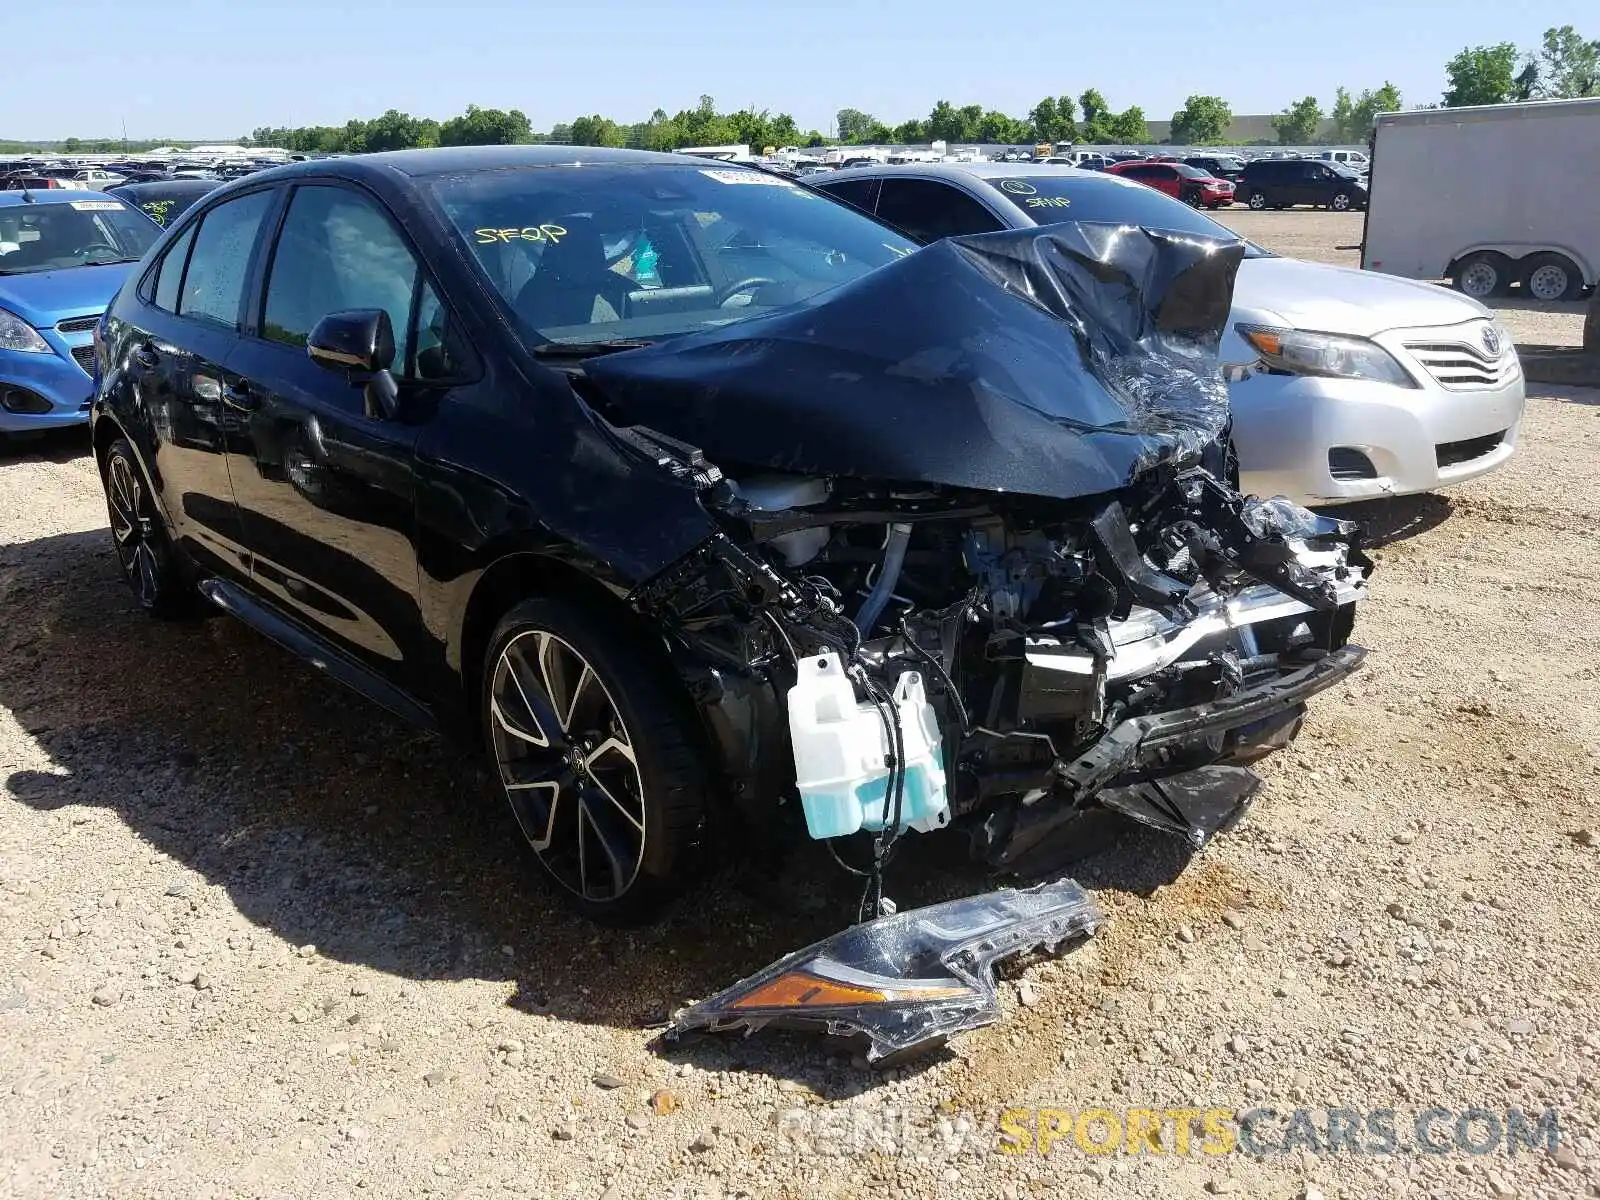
979 566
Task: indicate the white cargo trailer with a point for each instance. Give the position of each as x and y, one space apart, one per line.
1489 196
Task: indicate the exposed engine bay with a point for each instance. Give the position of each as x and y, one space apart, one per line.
980 570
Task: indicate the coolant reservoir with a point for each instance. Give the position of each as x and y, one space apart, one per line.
841 751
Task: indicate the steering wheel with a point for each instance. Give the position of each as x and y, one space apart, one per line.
744 285
88 251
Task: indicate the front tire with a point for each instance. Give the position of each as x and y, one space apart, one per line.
1340 202
139 537
594 746
1256 201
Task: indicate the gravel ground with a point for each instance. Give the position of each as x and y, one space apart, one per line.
1319 236
256 939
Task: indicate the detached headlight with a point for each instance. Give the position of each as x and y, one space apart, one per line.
1300 353
17 334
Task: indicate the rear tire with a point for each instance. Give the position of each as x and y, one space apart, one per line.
1552 277
594 746
139 537
1482 275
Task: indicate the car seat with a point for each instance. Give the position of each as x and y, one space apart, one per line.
573 285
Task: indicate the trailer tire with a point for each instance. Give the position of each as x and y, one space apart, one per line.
1482 274
1551 276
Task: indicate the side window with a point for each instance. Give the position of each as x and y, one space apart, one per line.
439 352
338 251
930 211
213 286
169 277
857 192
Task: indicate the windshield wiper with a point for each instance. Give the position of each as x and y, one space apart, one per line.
588 349
107 262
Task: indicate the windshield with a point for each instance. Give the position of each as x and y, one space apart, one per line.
589 254
81 233
1050 199
1339 168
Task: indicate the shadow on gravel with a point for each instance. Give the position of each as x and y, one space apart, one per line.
59 446
1395 518
327 822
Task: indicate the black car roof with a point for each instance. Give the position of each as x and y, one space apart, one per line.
451 160
166 187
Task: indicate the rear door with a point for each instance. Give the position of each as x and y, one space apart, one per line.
178 360
325 488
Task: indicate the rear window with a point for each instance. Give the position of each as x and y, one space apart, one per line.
1050 199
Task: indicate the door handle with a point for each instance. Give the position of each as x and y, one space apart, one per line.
238 395
145 355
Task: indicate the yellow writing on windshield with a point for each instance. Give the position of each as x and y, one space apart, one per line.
526 233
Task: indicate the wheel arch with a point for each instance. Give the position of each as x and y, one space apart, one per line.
520 574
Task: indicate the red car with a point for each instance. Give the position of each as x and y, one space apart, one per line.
1180 181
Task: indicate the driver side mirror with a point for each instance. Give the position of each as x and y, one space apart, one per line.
360 342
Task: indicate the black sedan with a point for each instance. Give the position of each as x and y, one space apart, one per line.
164 200
704 502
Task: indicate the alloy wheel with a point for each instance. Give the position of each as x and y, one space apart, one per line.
1257 201
1341 203
132 530
567 765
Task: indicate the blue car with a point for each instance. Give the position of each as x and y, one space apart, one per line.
63 255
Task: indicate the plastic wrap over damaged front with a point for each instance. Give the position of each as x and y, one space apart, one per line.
1058 362
907 980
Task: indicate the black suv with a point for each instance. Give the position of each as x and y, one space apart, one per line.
1220 166
1286 182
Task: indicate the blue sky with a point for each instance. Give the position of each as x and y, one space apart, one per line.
219 68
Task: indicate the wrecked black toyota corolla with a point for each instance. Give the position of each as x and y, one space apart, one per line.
713 505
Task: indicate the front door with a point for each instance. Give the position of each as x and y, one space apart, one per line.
325 490
179 364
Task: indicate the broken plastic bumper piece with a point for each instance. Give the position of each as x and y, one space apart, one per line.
903 982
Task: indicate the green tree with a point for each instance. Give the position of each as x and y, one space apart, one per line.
396 130
1202 119
943 123
1129 126
486 127
1343 114
853 124
996 128
596 131
1367 107
1053 119
72 145
1568 66
1481 75
1096 126
910 132
1297 124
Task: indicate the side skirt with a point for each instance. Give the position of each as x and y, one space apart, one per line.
296 638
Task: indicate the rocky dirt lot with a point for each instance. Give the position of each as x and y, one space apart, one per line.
257 939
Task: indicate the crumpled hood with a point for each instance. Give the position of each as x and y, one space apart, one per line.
1059 362
42 298
1315 296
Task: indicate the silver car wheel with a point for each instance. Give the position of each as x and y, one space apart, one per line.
1480 280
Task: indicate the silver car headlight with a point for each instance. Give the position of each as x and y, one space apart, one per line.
17 334
1299 352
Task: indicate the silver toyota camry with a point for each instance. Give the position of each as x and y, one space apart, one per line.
1346 385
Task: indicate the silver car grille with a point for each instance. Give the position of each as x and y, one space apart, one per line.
78 324
1463 362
